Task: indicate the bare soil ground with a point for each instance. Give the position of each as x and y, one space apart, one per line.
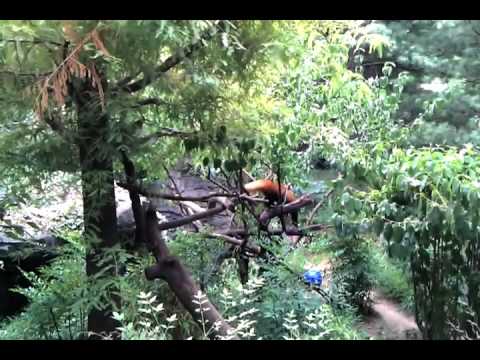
389 322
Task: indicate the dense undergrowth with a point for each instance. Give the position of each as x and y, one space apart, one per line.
60 298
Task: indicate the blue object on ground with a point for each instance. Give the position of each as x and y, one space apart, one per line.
313 277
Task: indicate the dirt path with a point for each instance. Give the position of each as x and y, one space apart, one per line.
389 322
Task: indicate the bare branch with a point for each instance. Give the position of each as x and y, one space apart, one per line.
127 79
137 209
189 219
154 194
231 240
183 208
34 42
288 231
217 264
205 198
270 213
166 132
151 101
318 206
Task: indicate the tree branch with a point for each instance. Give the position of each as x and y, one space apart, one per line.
137 209
318 206
188 219
34 42
280 210
169 63
170 269
150 101
217 264
57 126
205 198
183 208
257 250
288 231
166 132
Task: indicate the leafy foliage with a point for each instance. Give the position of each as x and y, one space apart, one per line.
425 209
440 58
262 96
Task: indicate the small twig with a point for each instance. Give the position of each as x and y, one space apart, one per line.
220 258
248 175
150 101
55 323
166 132
205 198
231 240
137 209
183 209
34 42
318 206
224 188
154 194
189 219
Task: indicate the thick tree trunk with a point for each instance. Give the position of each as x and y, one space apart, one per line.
100 219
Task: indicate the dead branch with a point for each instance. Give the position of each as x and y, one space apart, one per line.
224 188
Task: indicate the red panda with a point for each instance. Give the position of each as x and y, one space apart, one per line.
271 191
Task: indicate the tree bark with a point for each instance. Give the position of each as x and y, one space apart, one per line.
100 219
170 269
